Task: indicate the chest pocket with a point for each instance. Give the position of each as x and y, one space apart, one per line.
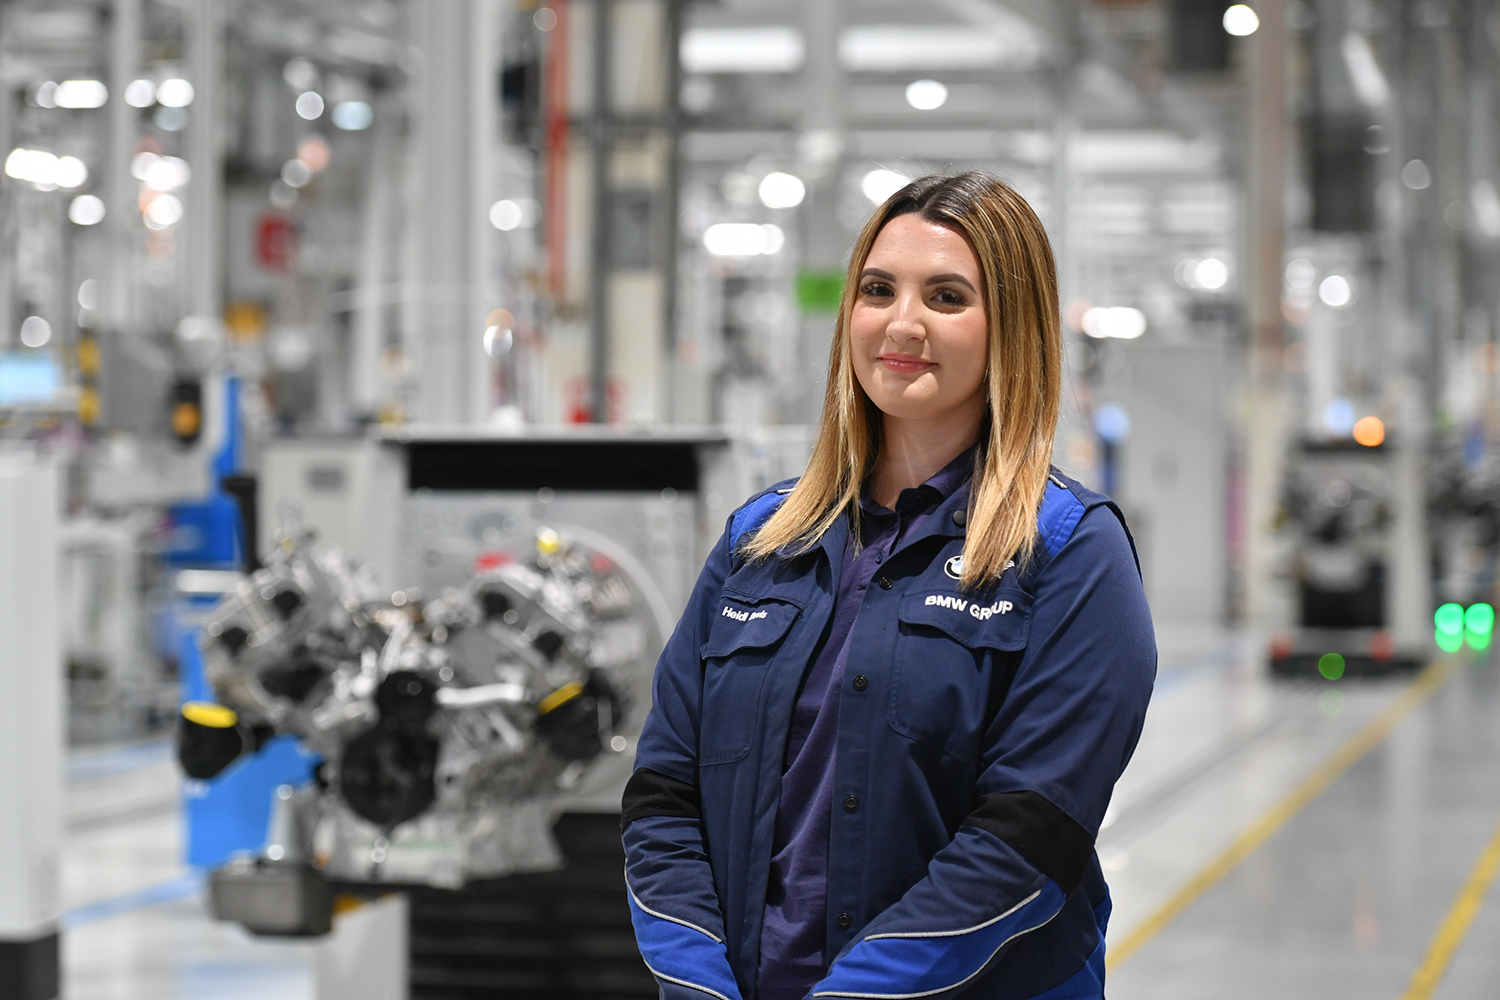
946 657
743 640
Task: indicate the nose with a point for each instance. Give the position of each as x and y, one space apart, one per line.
906 324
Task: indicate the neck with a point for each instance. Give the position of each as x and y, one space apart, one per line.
913 451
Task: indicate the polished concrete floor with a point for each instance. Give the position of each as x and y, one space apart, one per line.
1340 900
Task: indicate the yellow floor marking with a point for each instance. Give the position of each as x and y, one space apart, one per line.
1455 926
1273 819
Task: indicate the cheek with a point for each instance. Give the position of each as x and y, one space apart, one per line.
967 347
866 332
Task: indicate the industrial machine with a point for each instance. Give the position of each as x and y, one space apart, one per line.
1337 521
447 727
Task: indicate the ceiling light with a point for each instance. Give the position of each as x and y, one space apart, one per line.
926 95
1336 291
353 116
164 212
86 210
1121 322
880 184
310 105
140 93
174 93
742 239
1241 20
781 190
81 94
35 331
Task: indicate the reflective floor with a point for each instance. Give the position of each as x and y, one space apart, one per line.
1339 896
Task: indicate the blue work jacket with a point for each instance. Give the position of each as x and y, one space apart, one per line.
980 736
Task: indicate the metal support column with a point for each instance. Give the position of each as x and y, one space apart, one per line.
601 149
1266 431
451 280
205 208
120 220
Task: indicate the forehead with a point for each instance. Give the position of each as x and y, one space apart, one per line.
912 243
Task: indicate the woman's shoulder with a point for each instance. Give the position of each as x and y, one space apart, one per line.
1065 506
757 510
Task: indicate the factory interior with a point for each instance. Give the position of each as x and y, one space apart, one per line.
404 360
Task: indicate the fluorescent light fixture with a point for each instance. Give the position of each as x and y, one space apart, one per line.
1336 291
1369 81
1209 274
1121 322
163 212
86 210
140 93
165 173
781 190
310 105
926 95
1142 151
1241 20
901 48
80 94
505 215
174 93
35 331
878 185
742 239
770 49
46 171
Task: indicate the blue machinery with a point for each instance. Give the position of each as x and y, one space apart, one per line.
231 812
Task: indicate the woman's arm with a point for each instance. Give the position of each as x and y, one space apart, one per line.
673 903
1059 741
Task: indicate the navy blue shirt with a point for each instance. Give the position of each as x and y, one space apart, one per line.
793 943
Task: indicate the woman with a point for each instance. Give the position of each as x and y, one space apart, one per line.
885 732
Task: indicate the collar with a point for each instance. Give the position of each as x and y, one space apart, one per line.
944 483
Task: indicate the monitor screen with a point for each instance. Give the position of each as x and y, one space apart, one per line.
28 379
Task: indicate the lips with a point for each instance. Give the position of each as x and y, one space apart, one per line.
906 364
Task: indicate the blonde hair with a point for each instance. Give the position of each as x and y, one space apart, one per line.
1013 459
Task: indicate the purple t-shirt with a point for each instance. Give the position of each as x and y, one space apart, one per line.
794 934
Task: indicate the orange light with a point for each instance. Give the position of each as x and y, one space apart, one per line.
315 153
1369 431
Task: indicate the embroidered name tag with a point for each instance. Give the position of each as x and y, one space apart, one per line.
743 616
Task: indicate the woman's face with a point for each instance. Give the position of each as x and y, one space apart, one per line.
919 334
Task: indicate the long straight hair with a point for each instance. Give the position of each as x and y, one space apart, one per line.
1024 363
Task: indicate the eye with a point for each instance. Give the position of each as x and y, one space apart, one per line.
950 297
875 289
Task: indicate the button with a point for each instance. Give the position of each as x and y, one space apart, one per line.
885 583
960 517
879 557
851 803
845 921
861 682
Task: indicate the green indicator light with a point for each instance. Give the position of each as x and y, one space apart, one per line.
1480 619
1331 665
1449 642
1478 640
1449 620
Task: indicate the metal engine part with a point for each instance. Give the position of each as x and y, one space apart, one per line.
449 728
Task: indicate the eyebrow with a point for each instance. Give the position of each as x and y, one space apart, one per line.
936 279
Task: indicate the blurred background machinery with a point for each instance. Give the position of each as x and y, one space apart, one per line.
422 284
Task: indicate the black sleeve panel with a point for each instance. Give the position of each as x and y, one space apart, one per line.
648 793
1051 840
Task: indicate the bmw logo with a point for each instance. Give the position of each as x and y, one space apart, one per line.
954 567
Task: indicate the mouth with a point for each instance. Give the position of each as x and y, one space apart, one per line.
906 364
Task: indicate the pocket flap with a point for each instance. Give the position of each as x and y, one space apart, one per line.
997 621
748 623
